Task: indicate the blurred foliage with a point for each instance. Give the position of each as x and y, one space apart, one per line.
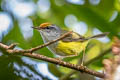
95 16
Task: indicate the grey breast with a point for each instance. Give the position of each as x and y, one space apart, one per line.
50 35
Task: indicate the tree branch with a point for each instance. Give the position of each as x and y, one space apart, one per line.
54 61
27 53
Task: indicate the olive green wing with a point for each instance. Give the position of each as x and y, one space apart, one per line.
73 37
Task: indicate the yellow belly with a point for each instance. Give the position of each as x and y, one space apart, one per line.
71 48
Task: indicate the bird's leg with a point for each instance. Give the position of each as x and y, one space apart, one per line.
70 56
62 57
59 58
83 56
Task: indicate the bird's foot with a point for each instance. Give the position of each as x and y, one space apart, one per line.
58 58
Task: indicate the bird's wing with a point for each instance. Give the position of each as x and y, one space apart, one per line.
73 37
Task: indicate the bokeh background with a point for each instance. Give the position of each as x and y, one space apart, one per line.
86 17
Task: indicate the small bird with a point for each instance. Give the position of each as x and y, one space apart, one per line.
70 46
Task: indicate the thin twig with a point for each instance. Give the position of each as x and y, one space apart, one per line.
43 45
12 45
98 57
54 61
51 42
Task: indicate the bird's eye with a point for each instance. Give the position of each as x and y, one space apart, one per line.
47 27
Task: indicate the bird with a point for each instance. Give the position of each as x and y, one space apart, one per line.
70 46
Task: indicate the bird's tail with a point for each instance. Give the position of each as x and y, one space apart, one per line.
98 35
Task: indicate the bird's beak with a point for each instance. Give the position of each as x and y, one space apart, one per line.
35 28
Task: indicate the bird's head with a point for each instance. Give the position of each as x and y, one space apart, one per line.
44 26
47 27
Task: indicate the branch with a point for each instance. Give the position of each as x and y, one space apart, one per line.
54 61
27 53
43 45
